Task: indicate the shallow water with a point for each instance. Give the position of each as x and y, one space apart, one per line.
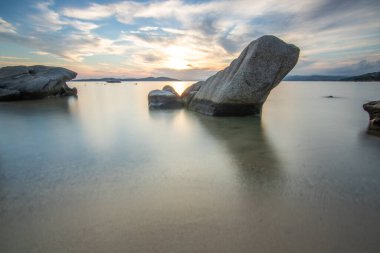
102 173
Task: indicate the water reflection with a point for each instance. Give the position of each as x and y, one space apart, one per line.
30 108
164 115
370 131
247 144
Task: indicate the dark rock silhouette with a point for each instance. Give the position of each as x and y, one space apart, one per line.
22 82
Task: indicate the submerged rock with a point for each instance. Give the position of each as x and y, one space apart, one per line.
242 88
22 82
373 109
167 98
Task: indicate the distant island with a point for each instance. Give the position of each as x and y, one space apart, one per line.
314 78
375 76
368 77
118 80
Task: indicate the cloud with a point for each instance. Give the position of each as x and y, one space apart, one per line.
358 68
92 12
198 38
46 19
151 58
149 28
13 58
82 26
6 27
39 53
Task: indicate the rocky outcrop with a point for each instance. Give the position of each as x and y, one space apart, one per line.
242 88
22 82
373 109
167 98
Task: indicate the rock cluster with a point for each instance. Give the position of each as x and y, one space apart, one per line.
22 82
242 87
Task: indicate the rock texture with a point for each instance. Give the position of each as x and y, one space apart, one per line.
373 109
242 88
167 98
22 82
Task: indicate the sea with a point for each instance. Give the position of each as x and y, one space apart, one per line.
103 173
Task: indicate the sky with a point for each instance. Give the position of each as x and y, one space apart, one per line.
186 39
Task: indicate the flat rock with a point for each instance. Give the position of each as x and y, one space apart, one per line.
22 82
166 98
242 87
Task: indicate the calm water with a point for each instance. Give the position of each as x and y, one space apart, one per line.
102 173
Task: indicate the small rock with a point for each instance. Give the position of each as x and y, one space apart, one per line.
167 98
171 89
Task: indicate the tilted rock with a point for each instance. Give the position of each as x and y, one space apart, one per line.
242 88
22 82
373 109
167 98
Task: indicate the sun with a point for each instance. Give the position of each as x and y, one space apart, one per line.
179 87
176 57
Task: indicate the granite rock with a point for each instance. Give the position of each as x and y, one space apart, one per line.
23 82
242 87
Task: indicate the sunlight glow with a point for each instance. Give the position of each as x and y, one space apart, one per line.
177 57
179 87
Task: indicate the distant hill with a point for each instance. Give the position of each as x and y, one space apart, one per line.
375 76
145 79
314 78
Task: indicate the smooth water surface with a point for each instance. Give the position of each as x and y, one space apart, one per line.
102 173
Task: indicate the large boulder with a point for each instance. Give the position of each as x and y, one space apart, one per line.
242 88
167 98
22 82
373 109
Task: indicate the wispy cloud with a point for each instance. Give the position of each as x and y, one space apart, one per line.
12 58
92 12
6 27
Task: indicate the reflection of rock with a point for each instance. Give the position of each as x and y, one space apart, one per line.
167 98
242 87
33 108
246 142
373 109
21 82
